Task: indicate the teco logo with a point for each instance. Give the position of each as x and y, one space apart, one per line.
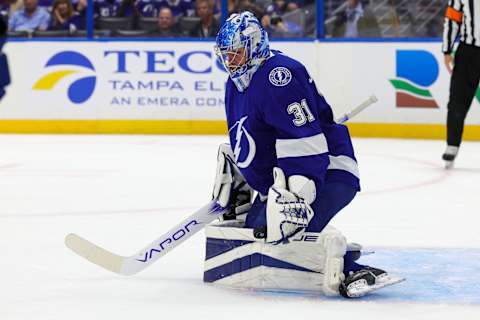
73 62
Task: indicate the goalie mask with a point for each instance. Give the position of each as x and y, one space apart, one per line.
242 46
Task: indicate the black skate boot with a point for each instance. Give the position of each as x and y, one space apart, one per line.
356 251
366 280
449 156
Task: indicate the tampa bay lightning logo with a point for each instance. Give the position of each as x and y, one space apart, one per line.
244 149
280 76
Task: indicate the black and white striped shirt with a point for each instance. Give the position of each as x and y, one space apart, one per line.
462 16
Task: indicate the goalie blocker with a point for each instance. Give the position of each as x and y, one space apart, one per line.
309 262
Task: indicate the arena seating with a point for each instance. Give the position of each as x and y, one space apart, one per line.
114 23
187 24
147 23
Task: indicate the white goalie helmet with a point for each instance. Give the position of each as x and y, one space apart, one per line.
242 46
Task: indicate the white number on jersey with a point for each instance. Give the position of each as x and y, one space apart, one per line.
301 111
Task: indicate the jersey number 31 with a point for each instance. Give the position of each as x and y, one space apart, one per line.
301 111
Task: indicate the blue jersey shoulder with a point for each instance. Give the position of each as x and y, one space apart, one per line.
279 82
279 73
280 69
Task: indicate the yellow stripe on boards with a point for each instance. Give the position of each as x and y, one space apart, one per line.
408 131
114 126
370 130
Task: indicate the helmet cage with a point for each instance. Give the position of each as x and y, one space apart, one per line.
242 31
234 59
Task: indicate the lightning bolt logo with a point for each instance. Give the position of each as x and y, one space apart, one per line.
252 149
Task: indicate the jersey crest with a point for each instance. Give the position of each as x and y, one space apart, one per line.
280 76
244 148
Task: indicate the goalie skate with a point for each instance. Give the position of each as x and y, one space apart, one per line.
365 281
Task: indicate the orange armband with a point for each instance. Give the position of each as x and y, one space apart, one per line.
454 15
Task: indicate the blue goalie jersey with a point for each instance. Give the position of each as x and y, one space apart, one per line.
282 121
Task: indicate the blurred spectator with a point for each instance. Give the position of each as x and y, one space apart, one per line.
231 6
208 25
115 8
14 5
245 5
217 8
47 4
127 8
355 21
5 7
30 18
166 24
79 19
280 7
106 8
148 8
273 22
62 14
179 8
278 28
394 18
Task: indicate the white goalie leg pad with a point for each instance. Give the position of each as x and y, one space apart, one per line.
288 207
309 262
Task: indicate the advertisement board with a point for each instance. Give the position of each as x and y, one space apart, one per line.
178 87
409 79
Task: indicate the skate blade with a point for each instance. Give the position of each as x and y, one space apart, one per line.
448 165
381 282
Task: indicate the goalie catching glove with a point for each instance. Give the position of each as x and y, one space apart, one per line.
288 207
230 189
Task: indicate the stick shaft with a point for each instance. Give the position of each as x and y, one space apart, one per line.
352 113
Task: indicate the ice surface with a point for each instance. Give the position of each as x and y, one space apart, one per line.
123 191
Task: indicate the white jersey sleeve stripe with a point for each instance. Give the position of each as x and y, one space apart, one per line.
301 147
344 163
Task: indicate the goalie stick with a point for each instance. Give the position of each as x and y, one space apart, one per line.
352 113
159 247
151 253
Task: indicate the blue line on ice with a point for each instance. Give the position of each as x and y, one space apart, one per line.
433 275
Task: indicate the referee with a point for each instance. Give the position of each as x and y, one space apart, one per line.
462 18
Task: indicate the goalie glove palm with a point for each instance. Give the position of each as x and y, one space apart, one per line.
288 209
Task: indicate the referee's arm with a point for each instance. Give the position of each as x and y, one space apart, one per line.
453 20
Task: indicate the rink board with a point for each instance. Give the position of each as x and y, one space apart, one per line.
178 87
433 276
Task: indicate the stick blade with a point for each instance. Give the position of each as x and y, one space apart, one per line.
94 253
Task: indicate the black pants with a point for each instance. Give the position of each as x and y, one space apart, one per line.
463 85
